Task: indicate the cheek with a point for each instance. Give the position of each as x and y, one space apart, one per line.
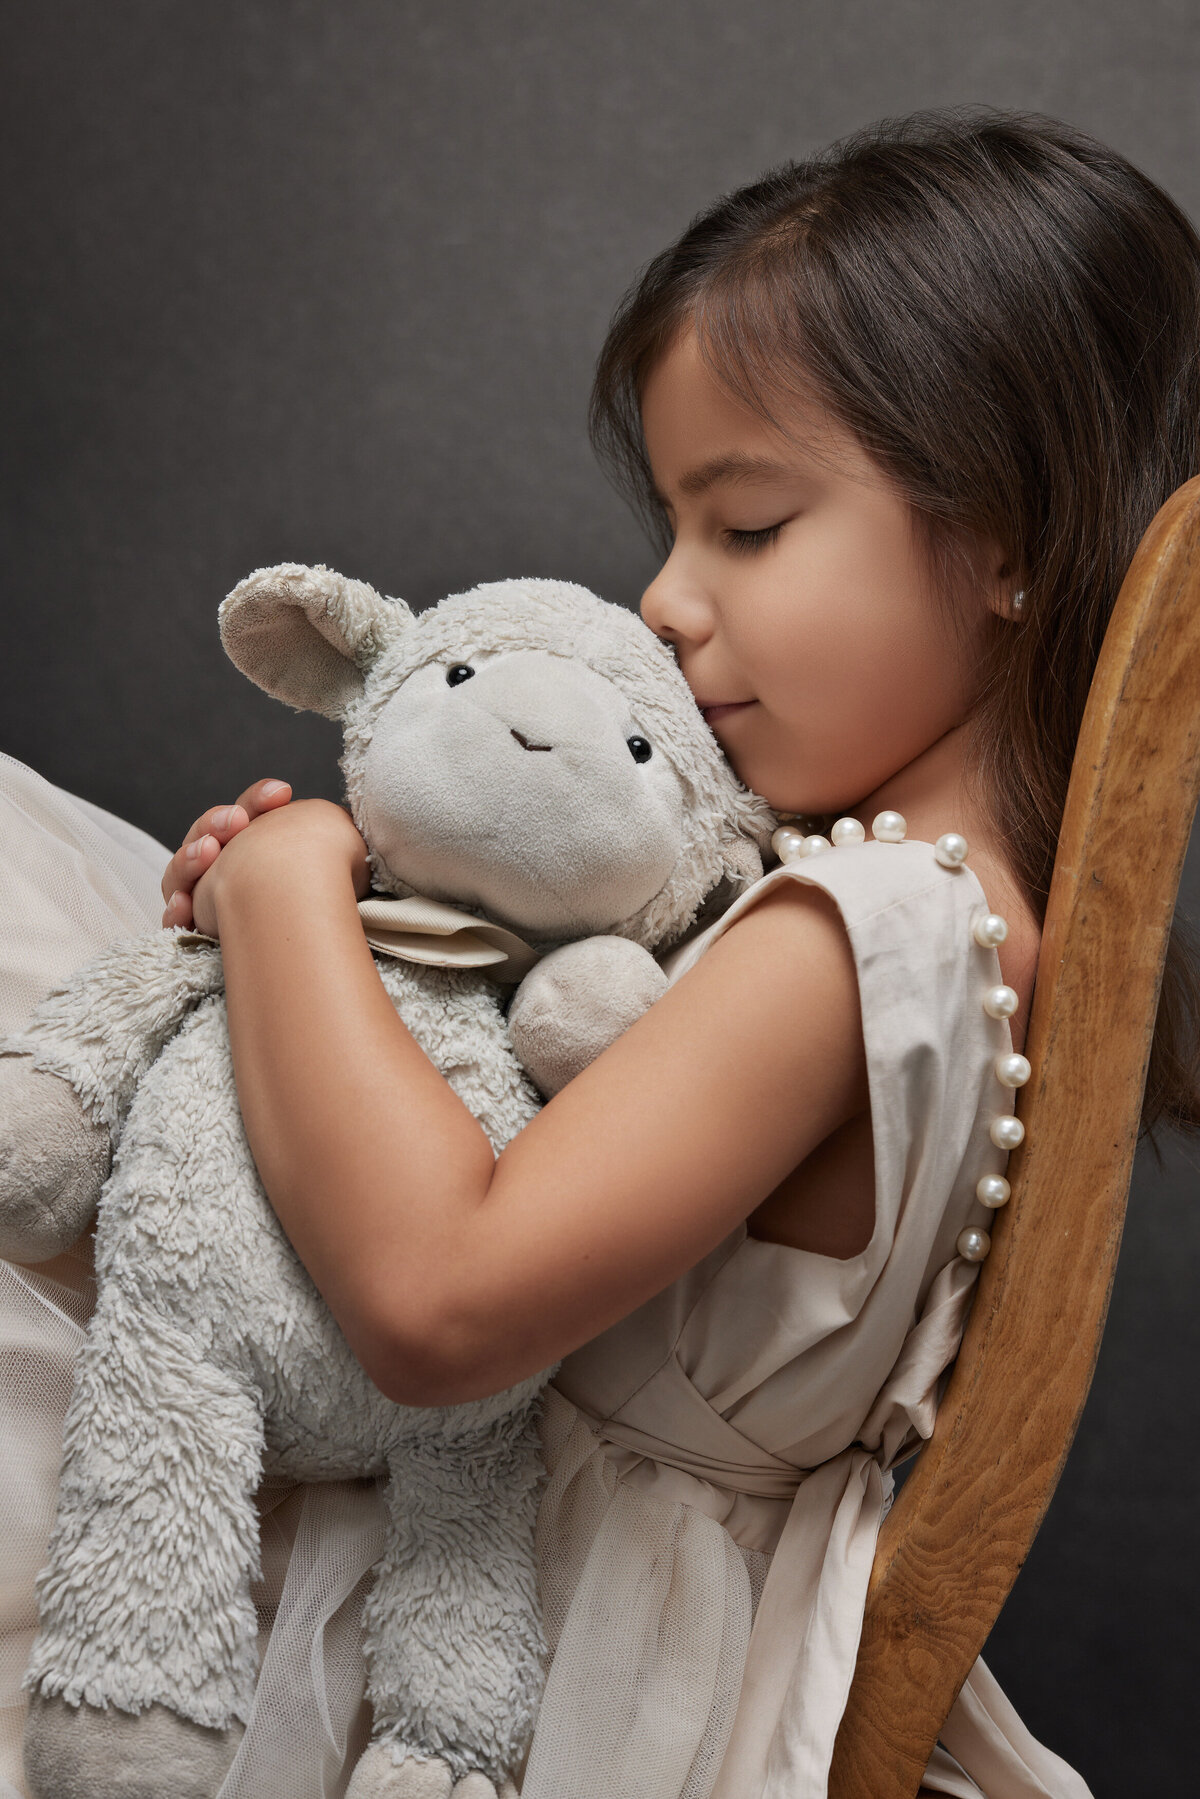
858 611
862 676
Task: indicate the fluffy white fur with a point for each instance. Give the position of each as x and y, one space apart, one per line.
212 1359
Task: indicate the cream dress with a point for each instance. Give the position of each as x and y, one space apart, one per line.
718 1462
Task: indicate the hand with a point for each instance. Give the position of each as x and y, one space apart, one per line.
288 850
204 842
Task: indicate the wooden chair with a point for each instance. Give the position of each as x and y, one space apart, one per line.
964 1521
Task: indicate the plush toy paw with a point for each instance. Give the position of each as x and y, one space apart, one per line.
575 1002
377 1776
53 1162
80 1752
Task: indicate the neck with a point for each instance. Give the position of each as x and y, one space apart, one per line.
932 793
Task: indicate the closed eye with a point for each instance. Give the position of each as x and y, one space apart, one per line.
746 542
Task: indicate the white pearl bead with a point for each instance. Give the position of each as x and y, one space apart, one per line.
973 1244
788 843
1012 1071
950 850
889 827
848 830
989 929
1007 1131
814 845
993 1190
1000 1002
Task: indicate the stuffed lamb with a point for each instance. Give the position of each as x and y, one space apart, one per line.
523 751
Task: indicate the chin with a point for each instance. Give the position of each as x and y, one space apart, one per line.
785 787
779 787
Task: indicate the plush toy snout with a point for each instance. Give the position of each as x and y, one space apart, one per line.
521 783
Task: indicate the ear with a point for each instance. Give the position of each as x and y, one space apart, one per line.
308 635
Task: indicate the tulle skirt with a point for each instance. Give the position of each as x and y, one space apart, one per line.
72 879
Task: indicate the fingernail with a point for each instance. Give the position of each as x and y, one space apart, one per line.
222 818
171 902
195 849
270 787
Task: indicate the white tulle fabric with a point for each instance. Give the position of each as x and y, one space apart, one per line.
73 878
717 1463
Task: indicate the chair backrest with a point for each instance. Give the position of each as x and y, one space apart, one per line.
964 1521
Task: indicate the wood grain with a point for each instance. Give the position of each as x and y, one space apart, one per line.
955 1540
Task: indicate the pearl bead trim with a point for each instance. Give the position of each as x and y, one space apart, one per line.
988 930
1012 1071
1006 1131
791 845
993 1191
1000 1002
950 850
973 1243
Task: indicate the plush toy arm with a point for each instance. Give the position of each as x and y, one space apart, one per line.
53 1163
578 1000
68 1079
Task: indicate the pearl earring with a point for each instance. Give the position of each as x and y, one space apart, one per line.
1017 603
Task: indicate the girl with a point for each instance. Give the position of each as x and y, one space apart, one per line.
903 413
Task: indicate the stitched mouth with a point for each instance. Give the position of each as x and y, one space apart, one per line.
526 745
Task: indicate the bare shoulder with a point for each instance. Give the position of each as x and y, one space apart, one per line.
777 993
751 1057
792 939
795 911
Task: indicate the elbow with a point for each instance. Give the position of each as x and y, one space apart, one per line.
437 1356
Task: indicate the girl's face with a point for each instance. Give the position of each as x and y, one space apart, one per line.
797 597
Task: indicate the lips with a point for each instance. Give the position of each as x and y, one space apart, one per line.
714 710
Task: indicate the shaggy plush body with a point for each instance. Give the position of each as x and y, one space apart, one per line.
211 1359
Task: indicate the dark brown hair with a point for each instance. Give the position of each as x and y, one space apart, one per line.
1007 315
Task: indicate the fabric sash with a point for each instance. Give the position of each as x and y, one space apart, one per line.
671 1560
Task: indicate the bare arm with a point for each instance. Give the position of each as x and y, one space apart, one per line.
453 1273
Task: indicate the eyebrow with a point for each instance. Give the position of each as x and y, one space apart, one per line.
735 466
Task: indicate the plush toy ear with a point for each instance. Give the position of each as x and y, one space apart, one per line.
743 860
308 635
747 843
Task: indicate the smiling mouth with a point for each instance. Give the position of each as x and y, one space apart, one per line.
722 709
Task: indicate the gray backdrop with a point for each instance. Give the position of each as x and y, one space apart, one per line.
324 283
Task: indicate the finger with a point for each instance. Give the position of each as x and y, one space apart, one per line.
264 796
186 866
181 873
178 911
222 822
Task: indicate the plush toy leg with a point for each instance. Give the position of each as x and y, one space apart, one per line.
53 1162
454 1641
76 1752
146 1597
377 1776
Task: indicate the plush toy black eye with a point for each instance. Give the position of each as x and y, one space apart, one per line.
639 749
462 671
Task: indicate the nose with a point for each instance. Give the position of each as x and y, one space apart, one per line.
675 606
